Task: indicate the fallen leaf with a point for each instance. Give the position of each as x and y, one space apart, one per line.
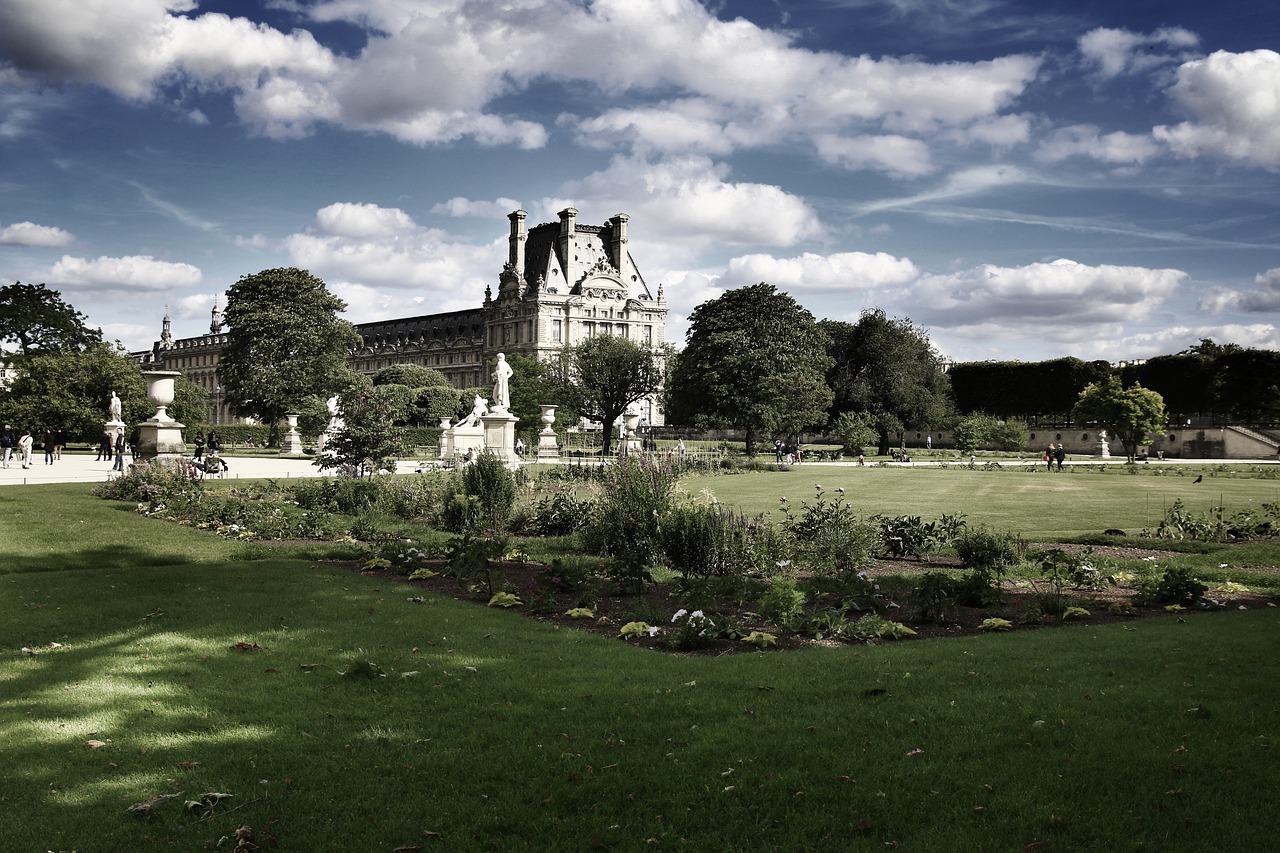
97 744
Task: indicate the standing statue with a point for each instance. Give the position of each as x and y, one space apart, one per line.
113 407
501 384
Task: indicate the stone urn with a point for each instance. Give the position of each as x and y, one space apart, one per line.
160 392
160 437
291 441
548 447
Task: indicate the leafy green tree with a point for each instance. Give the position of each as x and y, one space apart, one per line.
535 384
889 369
1130 414
1039 391
411 376
369 440
606 374
69 391
973 432
190 405
855 431
285 342
39 321
1010 435
1249 389
741 350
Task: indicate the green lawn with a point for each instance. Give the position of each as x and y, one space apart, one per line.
488 731
1035 505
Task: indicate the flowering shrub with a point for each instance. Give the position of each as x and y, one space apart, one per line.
151 484
691 630
830 538
634 494
713 540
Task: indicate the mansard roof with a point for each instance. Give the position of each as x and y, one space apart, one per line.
542 255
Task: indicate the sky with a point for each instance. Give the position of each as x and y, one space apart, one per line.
1022 180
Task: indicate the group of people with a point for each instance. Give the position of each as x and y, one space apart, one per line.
22 445
214 445
784 452
1054 453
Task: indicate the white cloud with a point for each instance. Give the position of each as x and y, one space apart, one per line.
30 234
129 273
1265 299
837 273
1084 140
688 203
346 219
1234 99
431 73
897 155
367 246
1113 52
1051 296
459 207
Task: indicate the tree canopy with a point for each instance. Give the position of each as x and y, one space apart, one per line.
754 359
39 321
70 390
285 342
887 368
1130 414
606 374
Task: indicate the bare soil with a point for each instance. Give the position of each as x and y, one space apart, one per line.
656 603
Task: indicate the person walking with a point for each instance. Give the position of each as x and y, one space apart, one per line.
199 445
104 447
6 444
1058 455
24 445
119 448
48 447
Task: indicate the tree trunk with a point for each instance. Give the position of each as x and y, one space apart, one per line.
751 440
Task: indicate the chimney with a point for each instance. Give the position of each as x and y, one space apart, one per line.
619 248
569 244
516 241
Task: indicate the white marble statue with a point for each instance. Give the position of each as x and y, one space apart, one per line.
478 408
113 407
502 384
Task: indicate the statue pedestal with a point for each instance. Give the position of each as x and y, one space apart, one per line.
500 435
629 442
1104 448
160 441
460 439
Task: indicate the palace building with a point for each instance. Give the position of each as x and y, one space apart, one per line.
562 283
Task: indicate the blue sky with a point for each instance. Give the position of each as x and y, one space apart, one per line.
1097 178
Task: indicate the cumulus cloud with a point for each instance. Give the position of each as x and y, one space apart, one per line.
432 73
689 203
368 246
30 234
897 155
1264 299
1052 295
129 273
459 207
836 273
1113 52
1084 140
345 219
1234 101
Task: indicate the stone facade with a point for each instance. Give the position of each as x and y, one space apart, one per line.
562 283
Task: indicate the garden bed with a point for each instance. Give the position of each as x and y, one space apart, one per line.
657 603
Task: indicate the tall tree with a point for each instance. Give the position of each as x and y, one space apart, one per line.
38 320
368 441
743 352
888 368
70 390
606 374
1131 414
285 342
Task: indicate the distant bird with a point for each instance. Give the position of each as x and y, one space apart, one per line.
1197 479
